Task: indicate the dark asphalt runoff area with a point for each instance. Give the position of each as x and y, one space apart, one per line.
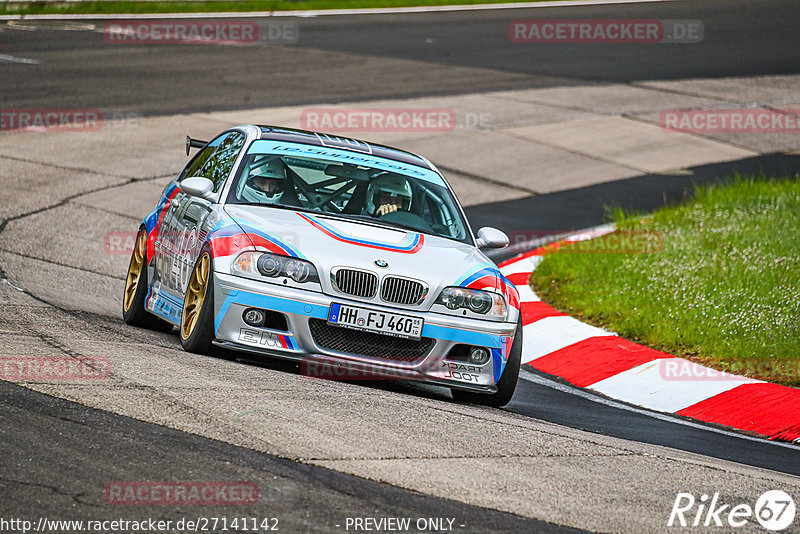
349 59
354 58
91 448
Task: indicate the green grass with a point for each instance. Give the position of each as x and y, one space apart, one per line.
724 291
117 7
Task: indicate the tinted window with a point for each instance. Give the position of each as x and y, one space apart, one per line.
351 191
219 166
216 160
194 166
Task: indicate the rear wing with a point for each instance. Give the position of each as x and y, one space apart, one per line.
194 143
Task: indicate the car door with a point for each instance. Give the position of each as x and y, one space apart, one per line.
178 243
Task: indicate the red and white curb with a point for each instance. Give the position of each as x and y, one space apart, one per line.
598 360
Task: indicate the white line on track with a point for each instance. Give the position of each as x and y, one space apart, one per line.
327 12
542 381
15 59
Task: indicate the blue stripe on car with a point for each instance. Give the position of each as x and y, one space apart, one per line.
269 302
288 248
497 363
469 278
411 240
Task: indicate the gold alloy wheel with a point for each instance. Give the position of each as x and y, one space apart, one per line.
195 295
135 270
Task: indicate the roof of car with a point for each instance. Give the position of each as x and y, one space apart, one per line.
279 133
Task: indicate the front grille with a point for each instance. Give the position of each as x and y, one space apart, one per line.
402 290
369 344
357 283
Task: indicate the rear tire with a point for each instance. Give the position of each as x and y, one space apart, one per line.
507 383
197 317
133 300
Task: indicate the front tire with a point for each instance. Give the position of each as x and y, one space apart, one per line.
133 310
507 383
197 317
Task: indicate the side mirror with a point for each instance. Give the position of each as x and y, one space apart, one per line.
197 186
489 237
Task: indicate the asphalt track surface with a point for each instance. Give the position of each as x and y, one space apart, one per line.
337 59
397 56
564 408
86 445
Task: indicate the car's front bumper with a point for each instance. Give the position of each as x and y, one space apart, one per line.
234 294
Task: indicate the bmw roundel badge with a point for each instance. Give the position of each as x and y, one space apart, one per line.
381 263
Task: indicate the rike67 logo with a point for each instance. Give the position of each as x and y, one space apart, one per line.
774 510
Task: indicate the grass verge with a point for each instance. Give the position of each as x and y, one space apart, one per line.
724 290
243 6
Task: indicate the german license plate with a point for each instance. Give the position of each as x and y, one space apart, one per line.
392 324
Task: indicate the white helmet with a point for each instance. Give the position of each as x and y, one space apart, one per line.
272 170
389 184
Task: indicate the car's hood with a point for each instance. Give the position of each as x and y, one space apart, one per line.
328 242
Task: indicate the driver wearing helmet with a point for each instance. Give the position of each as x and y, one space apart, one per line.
388 194
266 182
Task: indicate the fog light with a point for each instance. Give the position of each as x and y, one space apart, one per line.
253 317
478 355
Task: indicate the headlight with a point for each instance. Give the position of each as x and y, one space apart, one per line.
269 265
300 271
475 300
275 266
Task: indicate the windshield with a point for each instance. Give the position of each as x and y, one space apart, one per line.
350 190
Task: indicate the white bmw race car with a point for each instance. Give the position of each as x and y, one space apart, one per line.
342 254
